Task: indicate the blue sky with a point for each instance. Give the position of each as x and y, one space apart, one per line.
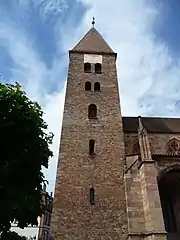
167 28
35 36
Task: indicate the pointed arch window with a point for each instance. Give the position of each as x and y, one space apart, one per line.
87 67
97 87
173 147
98 68
92 111
91 195
87 86
91 147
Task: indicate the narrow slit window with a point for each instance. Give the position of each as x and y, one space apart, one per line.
87 67
91 147
91 196
92 111
97 87
98 68
87 86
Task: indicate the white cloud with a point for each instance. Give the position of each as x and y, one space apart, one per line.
28 232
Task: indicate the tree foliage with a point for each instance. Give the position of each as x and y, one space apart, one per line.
14 236
24 148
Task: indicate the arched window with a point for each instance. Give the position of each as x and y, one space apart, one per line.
92 111
173 147
91 196
97 87
87 67
91 147
98 68
88 86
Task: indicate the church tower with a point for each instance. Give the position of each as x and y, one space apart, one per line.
89 201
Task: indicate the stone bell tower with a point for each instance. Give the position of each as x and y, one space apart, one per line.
89 201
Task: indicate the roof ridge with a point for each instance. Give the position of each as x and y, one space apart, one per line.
152 117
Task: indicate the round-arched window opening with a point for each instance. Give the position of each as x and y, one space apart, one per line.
97 87
87 67
87 86
92 111
98 68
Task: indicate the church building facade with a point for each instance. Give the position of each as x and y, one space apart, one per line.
117 177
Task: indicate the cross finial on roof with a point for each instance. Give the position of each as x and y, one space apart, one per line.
93 22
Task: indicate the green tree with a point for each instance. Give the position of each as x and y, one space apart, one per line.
24 151
12 236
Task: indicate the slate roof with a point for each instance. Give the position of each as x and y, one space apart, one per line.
152 124
93 42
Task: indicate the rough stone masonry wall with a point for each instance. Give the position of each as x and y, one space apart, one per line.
73 217
157 141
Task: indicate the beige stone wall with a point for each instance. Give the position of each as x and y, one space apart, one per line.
159 145
145 219
142 199
150 198
136 220
148 237
73 216
130 139
159 141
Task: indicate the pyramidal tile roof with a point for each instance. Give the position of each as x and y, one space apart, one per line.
93 42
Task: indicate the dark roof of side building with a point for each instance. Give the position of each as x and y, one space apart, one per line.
152 124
